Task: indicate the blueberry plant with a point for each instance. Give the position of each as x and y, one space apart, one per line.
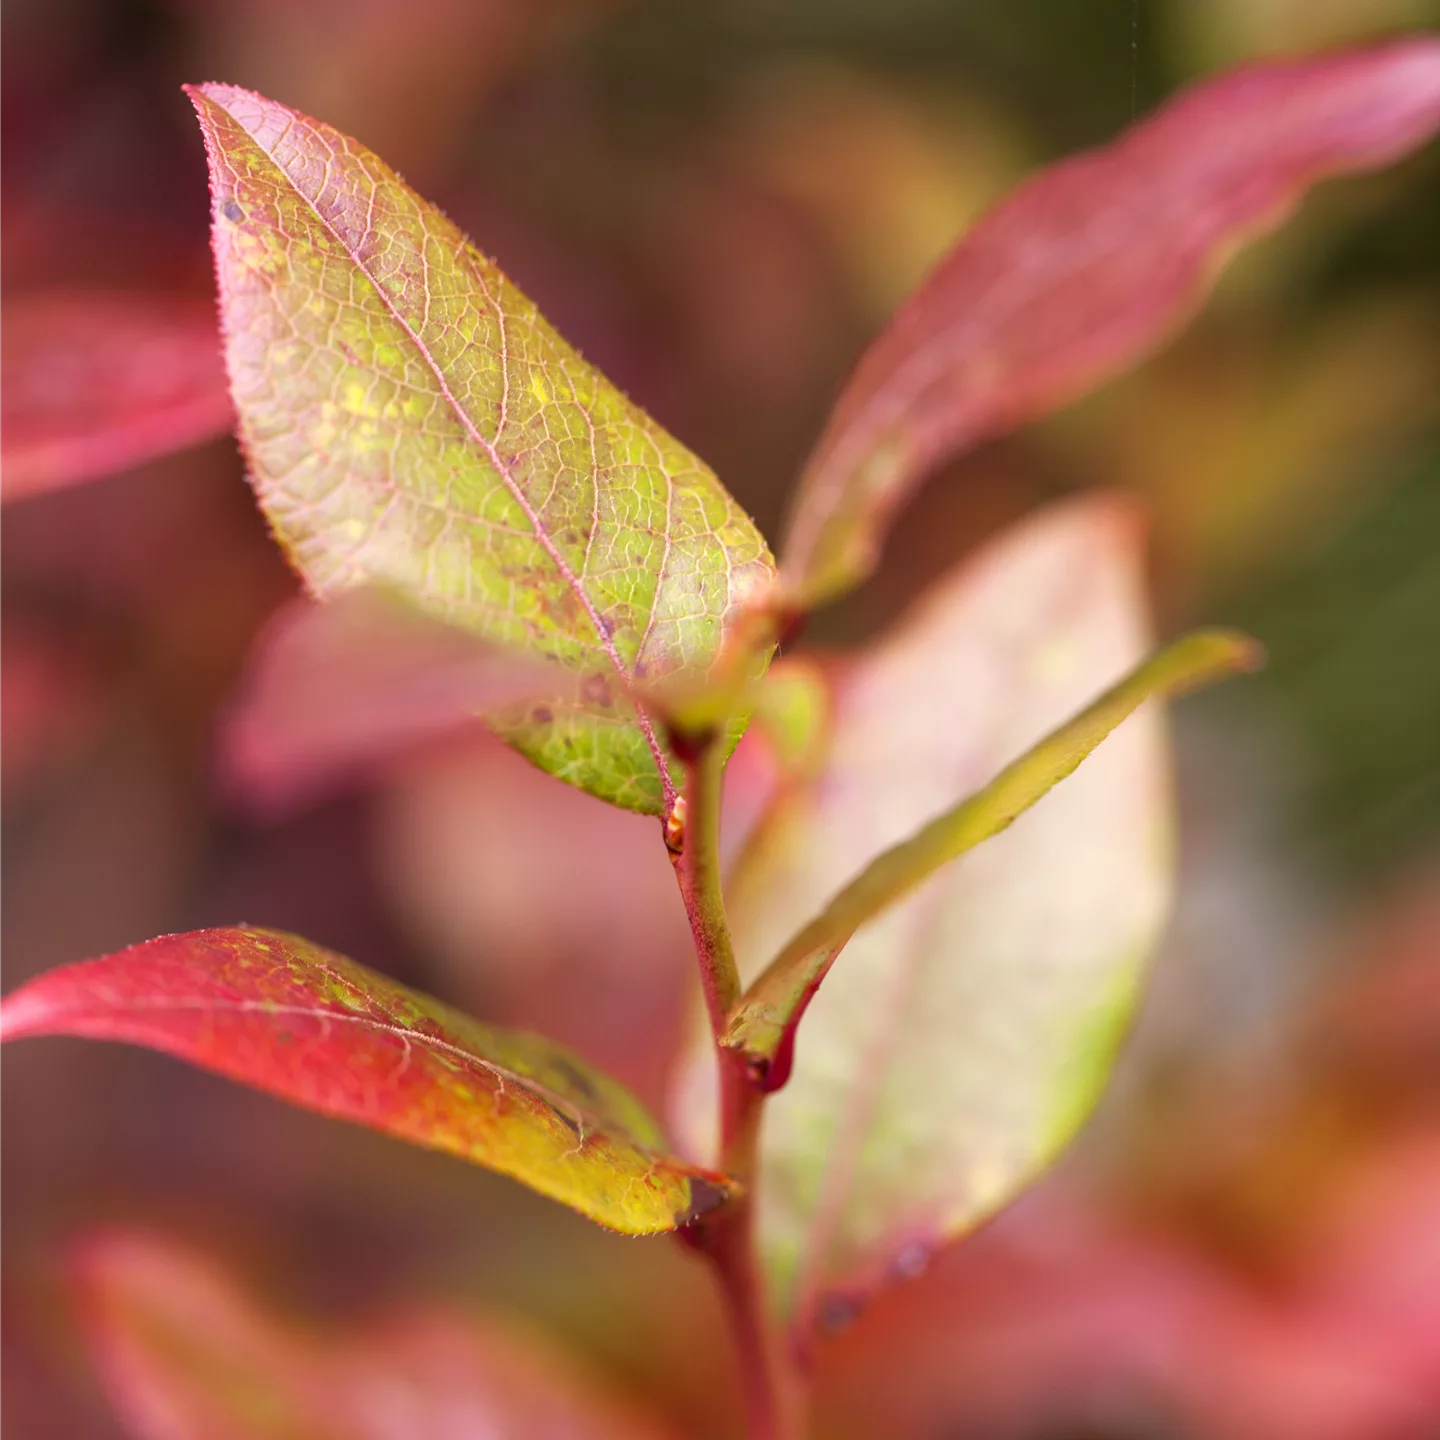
489 528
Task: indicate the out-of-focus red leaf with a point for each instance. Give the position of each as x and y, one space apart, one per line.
337 685
1084 269
96 383
303 1023
1055 1321
185 1355
1373 1275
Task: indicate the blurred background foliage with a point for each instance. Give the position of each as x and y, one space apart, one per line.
719 203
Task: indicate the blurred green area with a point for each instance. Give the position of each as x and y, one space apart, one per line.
1354 636
719 203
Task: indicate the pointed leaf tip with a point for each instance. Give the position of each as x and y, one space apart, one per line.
309 1026
412 422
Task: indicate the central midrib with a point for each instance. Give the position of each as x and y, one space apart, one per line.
501 469
590 1122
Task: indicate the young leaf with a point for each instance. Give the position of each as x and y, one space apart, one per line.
1084 269
95 383
307 1025
764 1023
968 1028
185 1355
335 686
412 422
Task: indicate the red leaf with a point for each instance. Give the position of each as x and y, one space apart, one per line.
336 686
283 1015
1084 269
1057 1319
184 1355
97 383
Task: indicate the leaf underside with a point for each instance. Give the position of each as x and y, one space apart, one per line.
967 1030
311 1027
411 421
1083 270
763 1024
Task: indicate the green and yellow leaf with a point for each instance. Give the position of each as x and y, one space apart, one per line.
412 422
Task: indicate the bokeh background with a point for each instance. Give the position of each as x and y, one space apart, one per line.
719 203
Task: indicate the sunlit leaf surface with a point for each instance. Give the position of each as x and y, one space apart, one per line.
763 1024
964 1033
98 382
412 421
307 1025
1083 270
183 1354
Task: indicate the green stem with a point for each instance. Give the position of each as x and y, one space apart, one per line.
694 837
727 1238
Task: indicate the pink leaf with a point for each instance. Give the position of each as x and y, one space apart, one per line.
97 383
185 1355
336 686
1083 270
1038 1324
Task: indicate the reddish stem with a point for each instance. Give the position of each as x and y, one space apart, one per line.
692 832
727 1237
